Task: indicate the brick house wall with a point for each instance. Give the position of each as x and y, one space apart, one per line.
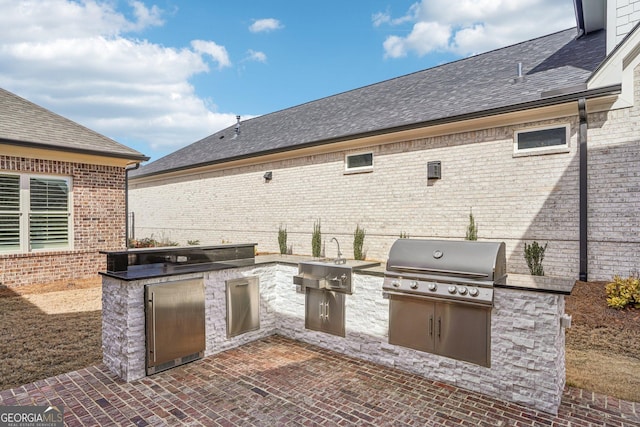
98 223
614 189
514 199
625 14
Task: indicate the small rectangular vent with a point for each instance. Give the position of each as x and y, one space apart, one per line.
434 170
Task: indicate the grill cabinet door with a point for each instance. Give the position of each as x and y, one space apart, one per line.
325 311
412 323
314 306
463 332
333 322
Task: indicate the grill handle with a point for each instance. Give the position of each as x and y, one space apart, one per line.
439 271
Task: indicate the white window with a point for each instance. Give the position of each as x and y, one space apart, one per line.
358 162
542 140
35 213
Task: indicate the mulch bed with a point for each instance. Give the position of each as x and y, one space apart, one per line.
596 326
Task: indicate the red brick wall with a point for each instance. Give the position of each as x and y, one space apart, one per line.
98 223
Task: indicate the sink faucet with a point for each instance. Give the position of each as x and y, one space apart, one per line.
339 260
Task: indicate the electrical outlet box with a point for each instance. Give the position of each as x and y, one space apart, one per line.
434 170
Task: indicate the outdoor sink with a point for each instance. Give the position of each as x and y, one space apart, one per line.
353 263
324 275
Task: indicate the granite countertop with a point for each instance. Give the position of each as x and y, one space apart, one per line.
550 285
149 271
553 285
368 265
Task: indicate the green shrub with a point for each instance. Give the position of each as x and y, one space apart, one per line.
358 241
282 239
145 242
472 228
623 292
316 240
404 235
193 242
534 255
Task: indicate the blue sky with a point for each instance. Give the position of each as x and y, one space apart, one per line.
158 75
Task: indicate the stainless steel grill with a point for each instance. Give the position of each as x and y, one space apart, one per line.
454 270
441 296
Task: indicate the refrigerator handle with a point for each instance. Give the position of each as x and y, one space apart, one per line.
153 325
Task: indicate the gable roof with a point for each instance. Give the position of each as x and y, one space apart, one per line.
554 67
24 123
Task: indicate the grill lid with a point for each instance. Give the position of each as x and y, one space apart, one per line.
454 260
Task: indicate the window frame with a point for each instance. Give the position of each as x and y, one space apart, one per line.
358 169
551 149
25 213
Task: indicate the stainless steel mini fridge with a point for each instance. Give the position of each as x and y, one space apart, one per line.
175 323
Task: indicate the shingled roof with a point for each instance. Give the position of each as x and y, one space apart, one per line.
24 123
555 67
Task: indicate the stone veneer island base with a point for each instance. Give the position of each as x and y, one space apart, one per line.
527 329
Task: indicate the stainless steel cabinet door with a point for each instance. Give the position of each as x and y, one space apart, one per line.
412 323
333 322
463 332
243 305
324 311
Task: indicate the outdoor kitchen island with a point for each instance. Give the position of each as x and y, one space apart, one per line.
527 320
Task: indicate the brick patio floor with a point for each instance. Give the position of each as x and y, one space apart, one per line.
277 381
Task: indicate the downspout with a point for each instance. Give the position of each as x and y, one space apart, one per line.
126 202
582 144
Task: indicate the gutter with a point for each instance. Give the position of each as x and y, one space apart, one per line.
544 101
582 145
126 202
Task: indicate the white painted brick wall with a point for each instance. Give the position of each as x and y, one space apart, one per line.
627 15
527 351
513 199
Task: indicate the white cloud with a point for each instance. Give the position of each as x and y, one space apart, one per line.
257 56
217 52
145 17
265 25
380 18
75 59
425 37
467 27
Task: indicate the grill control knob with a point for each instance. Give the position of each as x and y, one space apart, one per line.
414 285
395 284
432 286
452 289
462 290
473 292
